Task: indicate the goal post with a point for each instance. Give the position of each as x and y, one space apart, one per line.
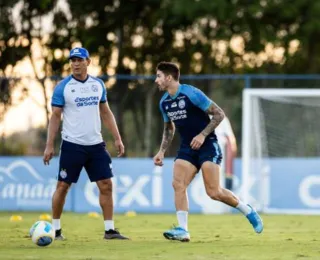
280 130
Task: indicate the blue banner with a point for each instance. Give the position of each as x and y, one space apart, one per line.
27 184
138 186
295 184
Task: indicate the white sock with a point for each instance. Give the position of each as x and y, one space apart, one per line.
56 224
244 208
108 224
182 217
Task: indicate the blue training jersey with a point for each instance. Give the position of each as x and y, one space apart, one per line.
187 110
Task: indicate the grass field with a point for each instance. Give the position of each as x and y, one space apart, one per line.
212 237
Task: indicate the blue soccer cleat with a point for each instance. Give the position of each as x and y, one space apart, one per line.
255 220
177 233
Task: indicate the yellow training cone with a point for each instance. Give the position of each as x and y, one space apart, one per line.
131 214
15 218
45 217
93 214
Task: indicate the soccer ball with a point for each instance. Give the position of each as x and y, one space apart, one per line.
33 228
42 233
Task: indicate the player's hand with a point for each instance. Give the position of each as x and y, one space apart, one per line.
197 141
48 154
120 147
158 158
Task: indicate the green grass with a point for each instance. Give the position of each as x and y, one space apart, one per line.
212 237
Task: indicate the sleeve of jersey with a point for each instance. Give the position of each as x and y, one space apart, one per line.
104 93
164 115
199 99
58 97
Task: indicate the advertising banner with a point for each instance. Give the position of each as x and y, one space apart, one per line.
27 184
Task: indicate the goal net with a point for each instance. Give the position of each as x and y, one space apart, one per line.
279 126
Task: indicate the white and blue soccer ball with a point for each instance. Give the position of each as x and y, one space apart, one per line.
42 233
33 228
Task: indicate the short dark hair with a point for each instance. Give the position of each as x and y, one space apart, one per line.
169 68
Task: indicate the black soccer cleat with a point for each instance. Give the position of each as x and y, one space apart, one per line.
59 235
114 234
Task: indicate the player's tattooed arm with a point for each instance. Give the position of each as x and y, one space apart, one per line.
217 116
168 134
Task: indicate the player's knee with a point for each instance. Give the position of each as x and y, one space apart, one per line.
215 194
178 186
62 188
105 187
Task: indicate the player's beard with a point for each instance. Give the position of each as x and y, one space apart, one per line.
163 87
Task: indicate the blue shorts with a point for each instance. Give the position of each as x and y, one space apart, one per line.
94 158
209 151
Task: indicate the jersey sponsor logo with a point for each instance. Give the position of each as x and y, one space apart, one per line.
180 114
181 104
87 101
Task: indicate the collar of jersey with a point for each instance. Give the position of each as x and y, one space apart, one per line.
82 81
177 93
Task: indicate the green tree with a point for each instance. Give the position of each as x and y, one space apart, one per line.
197 34
11 51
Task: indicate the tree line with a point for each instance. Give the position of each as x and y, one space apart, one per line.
129 37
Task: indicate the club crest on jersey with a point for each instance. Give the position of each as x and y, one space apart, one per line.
182 104
174 104
94 88
63 173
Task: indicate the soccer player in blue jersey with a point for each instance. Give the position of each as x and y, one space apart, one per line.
82 100
187 109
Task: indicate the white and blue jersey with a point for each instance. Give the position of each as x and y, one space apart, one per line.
81 114
187 109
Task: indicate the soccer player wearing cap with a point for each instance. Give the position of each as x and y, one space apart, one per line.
82 100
